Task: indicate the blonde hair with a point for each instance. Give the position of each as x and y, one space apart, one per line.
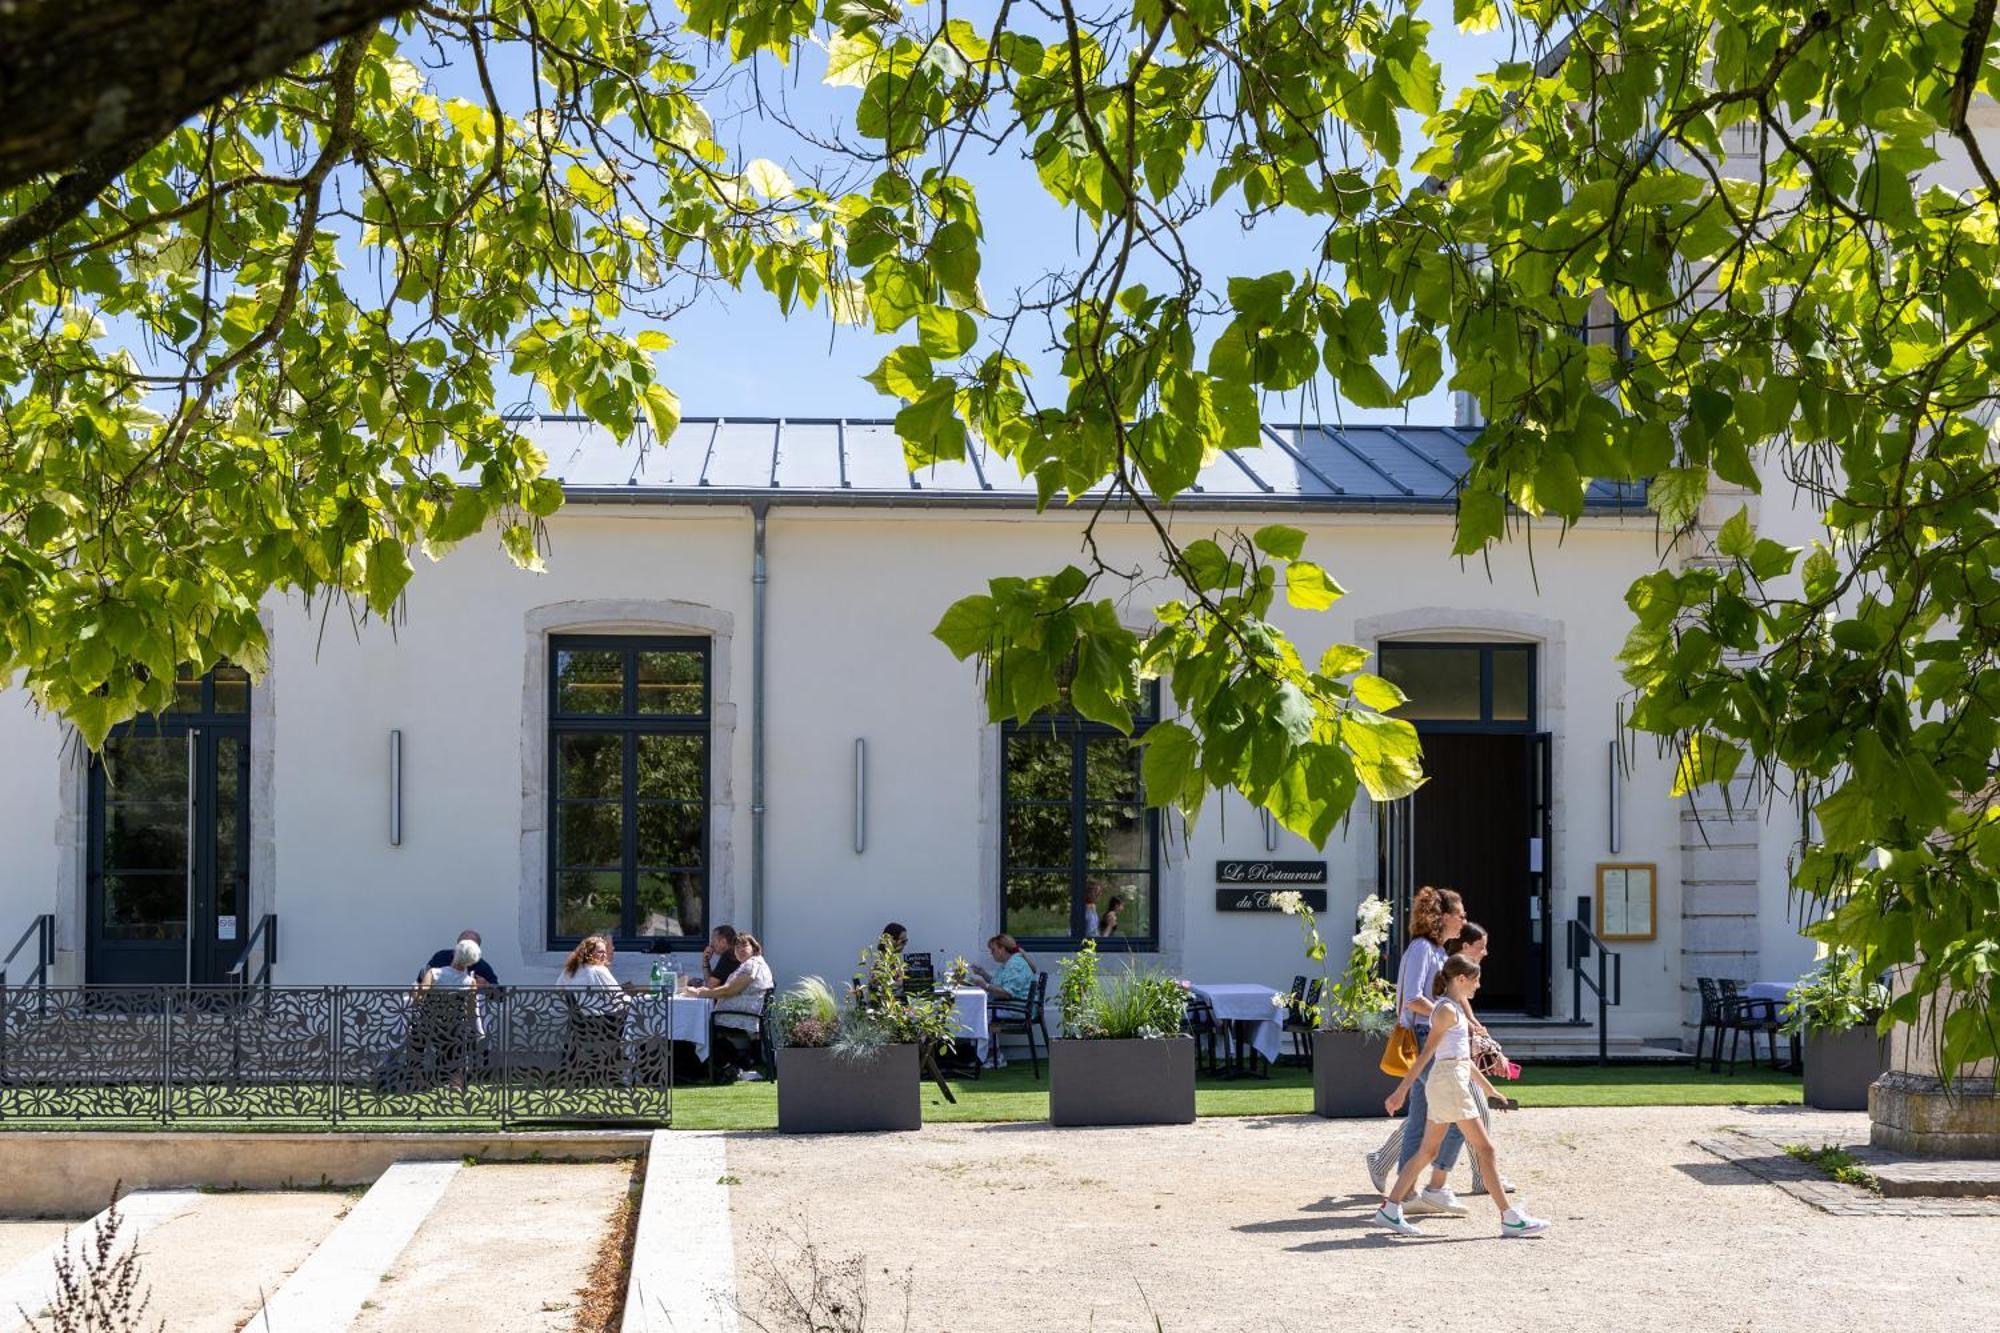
590 949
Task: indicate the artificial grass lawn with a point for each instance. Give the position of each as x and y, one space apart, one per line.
1013 1094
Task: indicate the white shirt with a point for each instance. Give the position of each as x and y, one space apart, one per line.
749 1000
595 977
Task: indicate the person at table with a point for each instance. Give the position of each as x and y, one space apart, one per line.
593 1046
739 1001
893 939
1108 926
1436 915
448 1027
1016 975
443 958
718 960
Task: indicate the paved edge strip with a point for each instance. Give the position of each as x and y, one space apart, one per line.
684 1257
31 1284
324 1294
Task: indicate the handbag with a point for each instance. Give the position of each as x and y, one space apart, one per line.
1400 1053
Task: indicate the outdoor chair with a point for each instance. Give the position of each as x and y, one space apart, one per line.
1198 1021
754 1043
443 1037
1741 1015
1299 1023
1023 1016
593 1039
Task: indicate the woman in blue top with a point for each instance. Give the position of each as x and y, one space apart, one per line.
1016 976
1436 915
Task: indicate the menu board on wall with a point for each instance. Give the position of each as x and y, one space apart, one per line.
1627 901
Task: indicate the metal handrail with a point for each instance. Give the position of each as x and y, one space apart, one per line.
267 933
1581 940
43 930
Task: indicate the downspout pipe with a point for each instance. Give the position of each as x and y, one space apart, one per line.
759 578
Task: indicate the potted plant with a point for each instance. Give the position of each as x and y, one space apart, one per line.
1835 1007
1122 1058
1352 1020
852 1067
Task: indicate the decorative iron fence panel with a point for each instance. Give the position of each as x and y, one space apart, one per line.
327 1056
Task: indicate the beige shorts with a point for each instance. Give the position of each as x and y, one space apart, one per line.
1448 1092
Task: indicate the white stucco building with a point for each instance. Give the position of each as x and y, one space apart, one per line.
540 755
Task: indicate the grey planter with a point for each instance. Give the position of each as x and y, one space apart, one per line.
1138 1081
1840 1064
822 1093
1348 1082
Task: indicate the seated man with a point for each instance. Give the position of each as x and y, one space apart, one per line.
443 958
718 960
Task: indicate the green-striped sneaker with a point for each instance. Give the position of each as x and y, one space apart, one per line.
1395 1221
1520 1224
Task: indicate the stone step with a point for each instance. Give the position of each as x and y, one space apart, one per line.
30 1283
326 1292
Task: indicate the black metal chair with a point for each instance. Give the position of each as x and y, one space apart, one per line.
1198 1021
1024 1016
1743 1014
1711 1017
754 1042
1299 1023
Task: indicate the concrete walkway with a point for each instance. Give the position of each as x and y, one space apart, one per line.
684 1260
30 1284
327 1291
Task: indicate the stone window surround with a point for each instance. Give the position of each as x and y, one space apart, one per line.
619 616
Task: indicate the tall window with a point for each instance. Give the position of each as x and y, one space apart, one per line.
628 788
1075 822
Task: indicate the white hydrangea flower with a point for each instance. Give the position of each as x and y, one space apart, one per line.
1288 901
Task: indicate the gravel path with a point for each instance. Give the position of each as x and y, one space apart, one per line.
1261 1225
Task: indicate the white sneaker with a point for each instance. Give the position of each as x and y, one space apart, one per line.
1395 1221
1520 1224
750 1076
1442 1201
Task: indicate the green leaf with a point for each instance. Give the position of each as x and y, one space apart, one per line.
970 625
1309 587
388 571
1736 538
1377 693
1342 658
945 332
1170 763
1280 541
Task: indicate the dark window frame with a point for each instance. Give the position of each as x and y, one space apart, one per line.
628 724
1486 649
1078 732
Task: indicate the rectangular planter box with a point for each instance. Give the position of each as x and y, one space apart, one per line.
1139 1081
1348 1082
1840 1064
823 1093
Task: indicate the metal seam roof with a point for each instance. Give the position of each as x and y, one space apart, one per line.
860 460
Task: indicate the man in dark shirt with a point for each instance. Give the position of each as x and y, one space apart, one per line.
480 969
718 960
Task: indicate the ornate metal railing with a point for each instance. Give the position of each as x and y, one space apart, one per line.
332 1056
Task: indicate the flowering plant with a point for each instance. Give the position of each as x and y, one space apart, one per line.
1362 1000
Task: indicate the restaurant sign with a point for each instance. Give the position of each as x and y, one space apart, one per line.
1278 874
1245 899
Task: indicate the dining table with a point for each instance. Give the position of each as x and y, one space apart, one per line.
671 1018
1252 1020
973 1018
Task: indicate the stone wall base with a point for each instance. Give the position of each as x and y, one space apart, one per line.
1912 1113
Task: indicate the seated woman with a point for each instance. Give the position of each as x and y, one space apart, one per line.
595 1041
739 1001
1016 976
448 1026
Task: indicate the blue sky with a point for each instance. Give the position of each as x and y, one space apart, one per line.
739 357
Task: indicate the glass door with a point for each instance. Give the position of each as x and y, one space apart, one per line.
169 841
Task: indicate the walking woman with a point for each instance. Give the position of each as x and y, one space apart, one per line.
1471 941
1451 1084
1436 915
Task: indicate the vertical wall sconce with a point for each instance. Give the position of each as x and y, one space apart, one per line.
1270 830
396 788
860 795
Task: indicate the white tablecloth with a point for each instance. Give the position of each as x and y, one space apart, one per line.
1240 1003
679 1018
1780 991
969 1007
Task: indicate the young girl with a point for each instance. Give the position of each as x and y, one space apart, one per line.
1451 1101
1471 941
1436 918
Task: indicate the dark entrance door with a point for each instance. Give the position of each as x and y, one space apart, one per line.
1478 824
170 840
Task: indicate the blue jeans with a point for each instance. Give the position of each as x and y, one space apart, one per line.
1419 1121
